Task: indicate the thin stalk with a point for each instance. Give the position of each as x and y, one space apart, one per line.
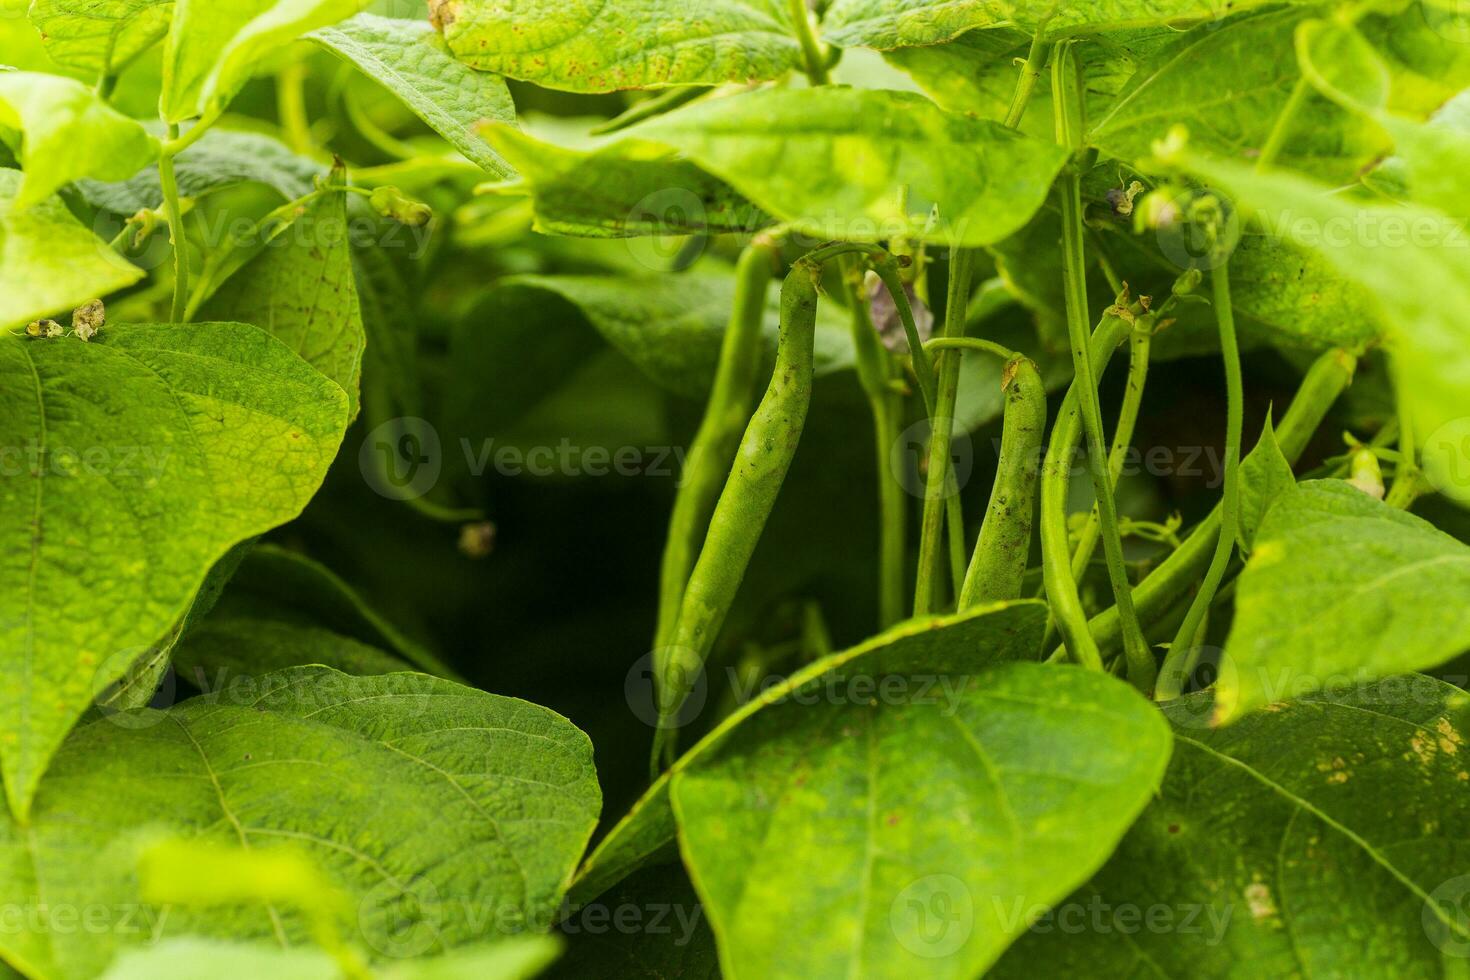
971 343
1276 141
714 445
291 106
1066 93
811 48
169 183
1030 75
1180 651
939 490
1408 481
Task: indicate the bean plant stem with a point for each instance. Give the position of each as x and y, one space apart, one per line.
1066 93
714 445
1030 75
169 183
1282 128
874 374
1407 477
937 494
291 106
811 48
971 343
1180 651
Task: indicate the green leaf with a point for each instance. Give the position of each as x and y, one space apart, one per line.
1412 261
150 451
405 783
960 644
833 162
301 288
1265 475
585 46
228 648
1275 838
623 190
213 46
284 586
887 24
100 36
49 262
193 958
413 63
221 159
1341 588
67 132
670 326
857 822
1228 83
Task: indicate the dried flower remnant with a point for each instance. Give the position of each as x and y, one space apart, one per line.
88 320
477 540
887 321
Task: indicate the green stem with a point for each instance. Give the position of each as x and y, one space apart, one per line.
1325 381
939 490
714 445
1408 479
1180 651
291 106
971 343
811 48
874 374
1282 128
1030 75
1066 92
1056 482
169 183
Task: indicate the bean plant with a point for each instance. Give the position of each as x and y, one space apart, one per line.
746 488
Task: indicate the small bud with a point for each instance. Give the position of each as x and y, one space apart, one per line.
1121 199
391 203
477 540
49 329
1189 282
87 320
1367 476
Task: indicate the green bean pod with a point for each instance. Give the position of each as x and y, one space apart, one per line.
714 446
750 492
998 565
1056 479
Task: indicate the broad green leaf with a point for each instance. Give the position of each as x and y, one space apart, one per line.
284 586
49 262
67 132
1424 45
978 71
100 36
671 326
887 24
229 648
623 190
148 453
584 46
856 823
221 159
413 63
834 162
193 958
1341 588
1265 475
301 288
213 46
446 815
961 644
1228 83
1412 261
1275 839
